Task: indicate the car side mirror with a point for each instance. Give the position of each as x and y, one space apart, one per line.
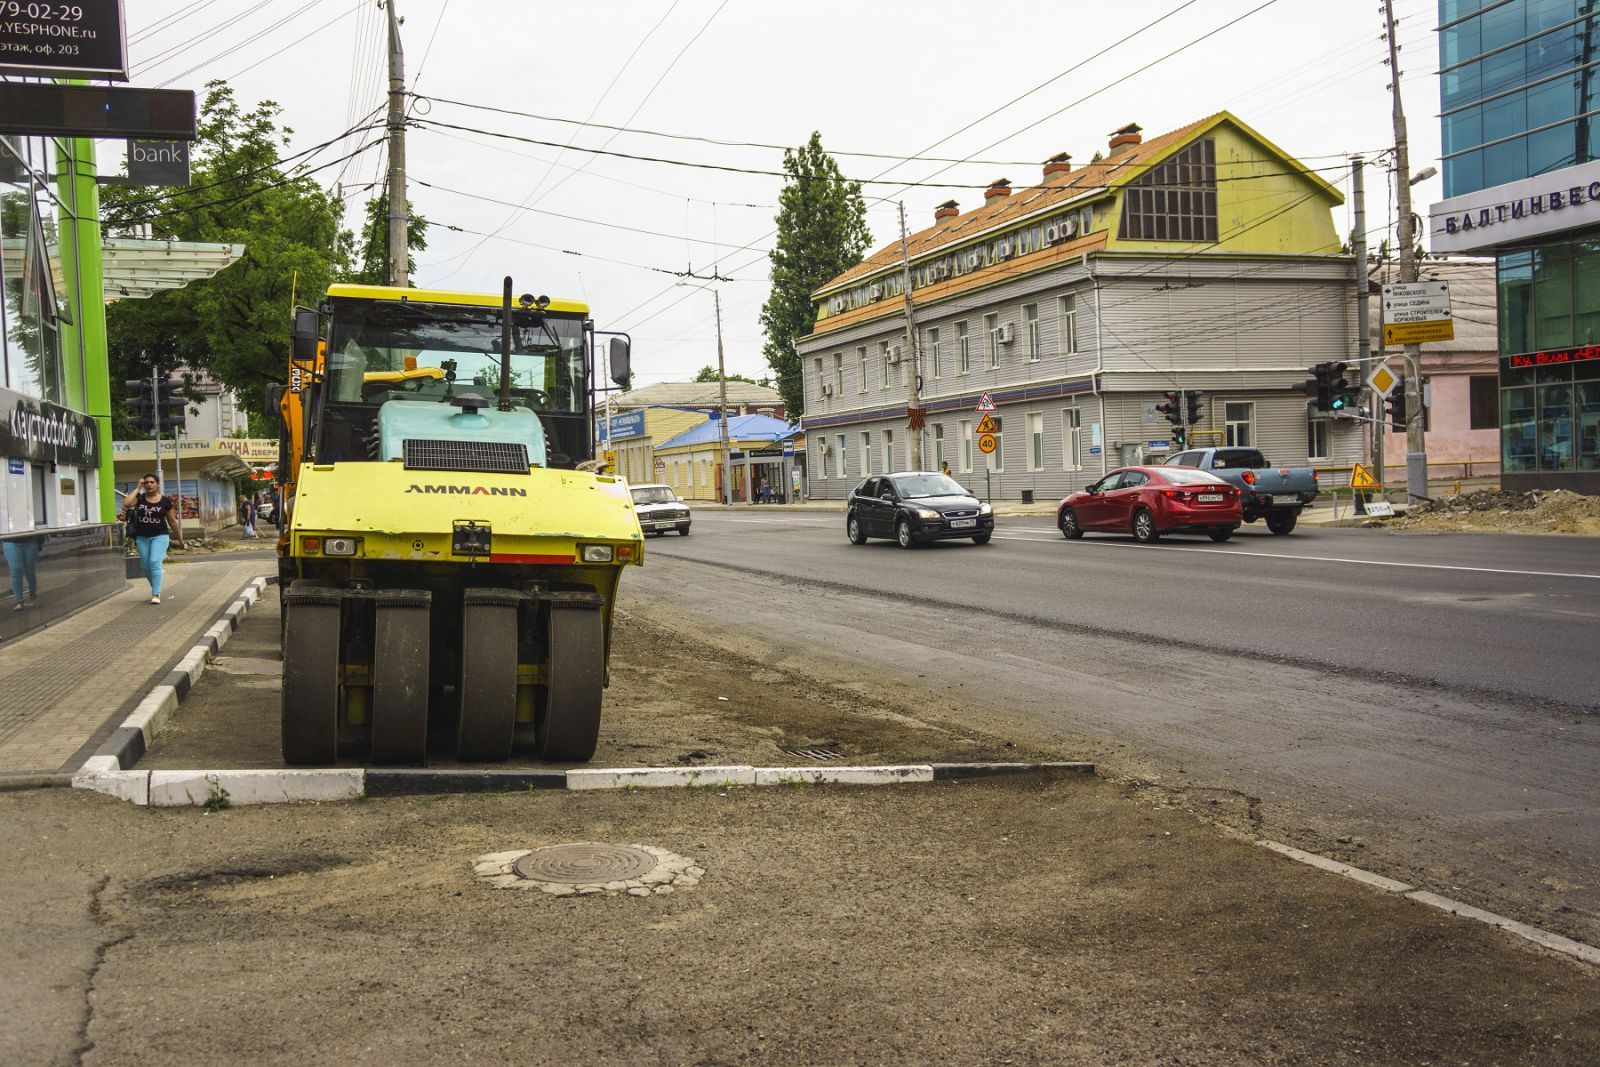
303 336
621 356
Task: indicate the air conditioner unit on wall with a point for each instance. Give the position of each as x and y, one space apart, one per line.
894 355
875 292
1003 249
1004 333
974 260
1052 234
837 304
827 388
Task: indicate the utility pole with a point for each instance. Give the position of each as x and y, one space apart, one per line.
915 421
155 413
1416 443
399 241
722 386
1358 245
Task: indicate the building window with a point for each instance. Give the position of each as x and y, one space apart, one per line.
964 346
964 432
1035 441
1549 296
1071 440
883 361
991 327
1069 325
938 447
1030 324
821 381
1484 402
888 451
1176 200
1318 439
838 374
844 471
1237 418
933 352
861 353
866 453
997 458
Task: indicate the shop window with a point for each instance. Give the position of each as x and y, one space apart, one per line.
1552 296
1516 302
1484 402
38 479
1518 436
1588 397
1556 429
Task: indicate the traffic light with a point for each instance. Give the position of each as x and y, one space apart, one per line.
1172 409
172 408
1339 391
1395 405
1191 406
140 407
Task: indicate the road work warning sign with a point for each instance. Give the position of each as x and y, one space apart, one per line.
986 425
1361 478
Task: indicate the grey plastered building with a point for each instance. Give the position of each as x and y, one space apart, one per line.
1205 259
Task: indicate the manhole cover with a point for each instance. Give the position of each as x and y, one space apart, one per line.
587 868
821 753
585 864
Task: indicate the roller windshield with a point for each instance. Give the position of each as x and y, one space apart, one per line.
389 350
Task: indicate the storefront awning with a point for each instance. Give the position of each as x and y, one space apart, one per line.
136 268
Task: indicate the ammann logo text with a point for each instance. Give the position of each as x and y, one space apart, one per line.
466 490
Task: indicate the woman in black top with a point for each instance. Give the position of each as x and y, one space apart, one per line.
151 515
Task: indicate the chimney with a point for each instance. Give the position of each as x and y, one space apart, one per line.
1000 187
1125 138
1059 163
946 210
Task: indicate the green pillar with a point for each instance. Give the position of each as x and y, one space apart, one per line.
88 377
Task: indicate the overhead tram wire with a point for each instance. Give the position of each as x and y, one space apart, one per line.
253 39
168 21
360 77
273 55
174 50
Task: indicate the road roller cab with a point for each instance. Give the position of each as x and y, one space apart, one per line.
449 566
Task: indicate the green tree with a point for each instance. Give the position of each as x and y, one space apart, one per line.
373 247
234 325
822 232
708 373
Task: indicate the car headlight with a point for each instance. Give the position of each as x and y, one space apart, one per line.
340 546
595 553
927 514
985 509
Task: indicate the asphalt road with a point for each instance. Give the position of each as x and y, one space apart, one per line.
1424 705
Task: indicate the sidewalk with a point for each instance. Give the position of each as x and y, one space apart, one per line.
63 686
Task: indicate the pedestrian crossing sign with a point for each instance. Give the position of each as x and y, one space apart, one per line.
1361 478
986 425
985 403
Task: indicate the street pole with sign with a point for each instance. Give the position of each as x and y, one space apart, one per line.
1416 441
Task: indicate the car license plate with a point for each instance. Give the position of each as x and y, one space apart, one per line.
961 524
1210 498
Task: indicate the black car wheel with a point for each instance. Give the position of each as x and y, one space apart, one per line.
1144 527
1069 525
902 534
1220 536
853 530
981 539
683 531
1281 523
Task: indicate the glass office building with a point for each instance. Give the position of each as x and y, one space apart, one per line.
1520 118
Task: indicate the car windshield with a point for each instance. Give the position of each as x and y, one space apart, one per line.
911 486
1185 476
381 350
1238 459
653 494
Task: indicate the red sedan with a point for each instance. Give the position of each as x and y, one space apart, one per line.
1150 501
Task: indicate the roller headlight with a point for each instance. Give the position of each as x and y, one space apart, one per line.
596 553
340 546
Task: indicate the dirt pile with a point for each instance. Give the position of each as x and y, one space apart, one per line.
1500 510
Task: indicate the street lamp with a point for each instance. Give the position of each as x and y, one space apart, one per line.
722 387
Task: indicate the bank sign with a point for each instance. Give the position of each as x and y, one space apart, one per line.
38 430
1518 211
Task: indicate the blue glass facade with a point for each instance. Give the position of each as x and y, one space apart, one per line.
1519 89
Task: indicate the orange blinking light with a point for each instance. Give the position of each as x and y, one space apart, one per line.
311 544
411 363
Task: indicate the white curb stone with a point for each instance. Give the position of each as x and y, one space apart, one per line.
843 775
661 777
1377 881
194 664
169 789
153 712
132 786
1554 942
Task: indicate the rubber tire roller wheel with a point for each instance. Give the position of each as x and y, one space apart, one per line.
310 696
575 675
487 723
400 678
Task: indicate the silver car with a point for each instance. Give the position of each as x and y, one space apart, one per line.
660 509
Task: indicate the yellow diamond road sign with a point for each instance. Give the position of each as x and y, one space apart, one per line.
1382 379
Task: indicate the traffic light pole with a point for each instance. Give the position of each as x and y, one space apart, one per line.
1416 441
1358 246
155 413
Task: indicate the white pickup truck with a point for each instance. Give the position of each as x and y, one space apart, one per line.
1273 493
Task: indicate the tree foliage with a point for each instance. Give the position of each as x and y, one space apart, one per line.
373 246
822 232
708 373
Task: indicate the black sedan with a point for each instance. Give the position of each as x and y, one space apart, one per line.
914 507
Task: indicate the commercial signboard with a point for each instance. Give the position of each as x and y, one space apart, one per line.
154 163
1417 312
628 424
83 39
1561 200
96 111
39 430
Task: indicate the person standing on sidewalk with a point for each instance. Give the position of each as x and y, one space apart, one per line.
247 515
152 516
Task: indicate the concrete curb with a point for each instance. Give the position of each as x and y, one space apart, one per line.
1544 939
129 742
230 788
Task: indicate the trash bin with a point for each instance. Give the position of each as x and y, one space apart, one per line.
1027 496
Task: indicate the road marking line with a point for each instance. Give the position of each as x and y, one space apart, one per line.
1314 559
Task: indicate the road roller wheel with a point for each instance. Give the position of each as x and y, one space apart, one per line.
488 688
575 673
400 676
310 708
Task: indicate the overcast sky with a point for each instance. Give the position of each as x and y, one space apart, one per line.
894 79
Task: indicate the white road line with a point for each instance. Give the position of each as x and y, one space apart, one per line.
781 522
1239 552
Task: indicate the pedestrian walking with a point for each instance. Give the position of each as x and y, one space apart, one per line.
22 560
152 516
247 515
